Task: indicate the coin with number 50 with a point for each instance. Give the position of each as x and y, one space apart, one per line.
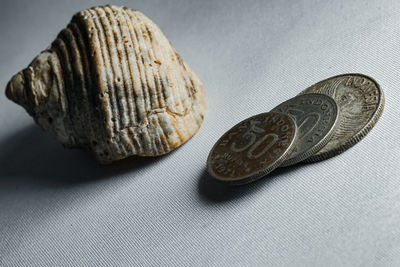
252 148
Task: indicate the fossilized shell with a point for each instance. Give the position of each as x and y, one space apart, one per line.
112 83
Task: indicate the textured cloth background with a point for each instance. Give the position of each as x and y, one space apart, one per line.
58 207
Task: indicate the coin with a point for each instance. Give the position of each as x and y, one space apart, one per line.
316 116
252 148
360 101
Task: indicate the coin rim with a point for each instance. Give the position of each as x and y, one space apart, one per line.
267 169
361 133
319 145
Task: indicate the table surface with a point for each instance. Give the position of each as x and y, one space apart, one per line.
58 207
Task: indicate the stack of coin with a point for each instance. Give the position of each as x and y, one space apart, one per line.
322 121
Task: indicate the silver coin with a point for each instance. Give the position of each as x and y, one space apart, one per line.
316 116
361 103
252 148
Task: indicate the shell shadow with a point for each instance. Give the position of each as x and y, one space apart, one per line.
32 156
213 191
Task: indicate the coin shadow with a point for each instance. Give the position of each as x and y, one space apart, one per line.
213 191
31 156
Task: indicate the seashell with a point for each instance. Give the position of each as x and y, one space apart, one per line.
112 84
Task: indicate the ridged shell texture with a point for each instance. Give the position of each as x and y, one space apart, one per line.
112 83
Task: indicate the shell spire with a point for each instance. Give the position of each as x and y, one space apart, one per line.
16 90
112 83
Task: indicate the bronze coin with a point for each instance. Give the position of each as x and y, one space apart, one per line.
360 101
252 148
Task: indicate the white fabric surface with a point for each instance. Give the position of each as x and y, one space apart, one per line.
58 207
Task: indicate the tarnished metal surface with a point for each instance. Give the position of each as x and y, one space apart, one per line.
361 102
252 148
316 116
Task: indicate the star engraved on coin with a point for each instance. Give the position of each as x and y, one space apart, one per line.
316 116
252 148
361 103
